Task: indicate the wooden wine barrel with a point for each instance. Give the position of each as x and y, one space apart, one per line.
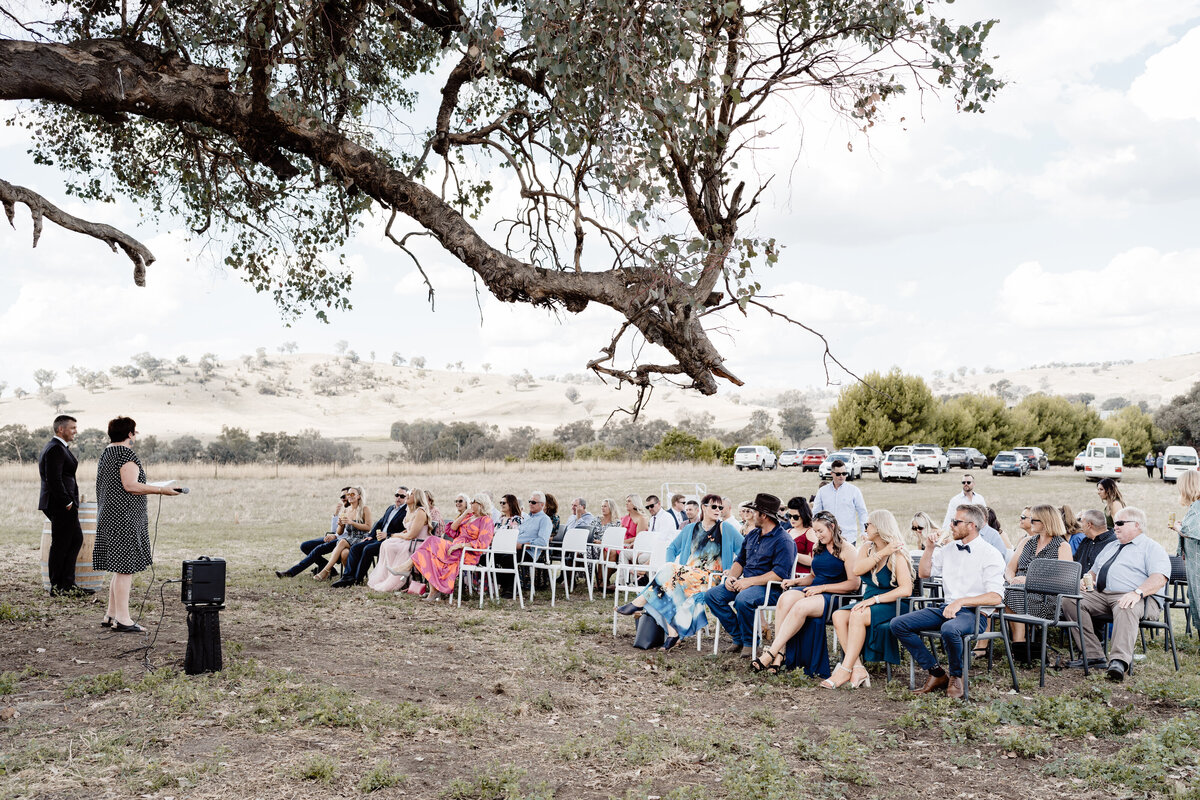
85 576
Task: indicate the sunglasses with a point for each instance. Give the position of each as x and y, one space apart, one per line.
793 516
401 496
841 474
1023 516
968 483
651 505
955 522
1122 522
716 506
918 527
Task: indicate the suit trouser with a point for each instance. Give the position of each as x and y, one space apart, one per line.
360 558
1125 623
66 537
314 554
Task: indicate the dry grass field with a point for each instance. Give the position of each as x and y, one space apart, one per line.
346 693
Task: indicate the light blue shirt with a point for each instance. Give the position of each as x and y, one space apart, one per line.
846 504
535 529
1142 558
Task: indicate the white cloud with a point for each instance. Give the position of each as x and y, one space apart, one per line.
1168 90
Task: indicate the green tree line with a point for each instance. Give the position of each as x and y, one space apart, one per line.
892 408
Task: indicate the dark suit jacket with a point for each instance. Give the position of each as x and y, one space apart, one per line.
57 465
395 524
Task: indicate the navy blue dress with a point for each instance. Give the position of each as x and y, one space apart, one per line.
809 648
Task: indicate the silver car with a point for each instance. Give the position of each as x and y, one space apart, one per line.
869 457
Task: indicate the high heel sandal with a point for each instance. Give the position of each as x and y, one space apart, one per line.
323 575
857 682
829 683
758 665
776 664
107 622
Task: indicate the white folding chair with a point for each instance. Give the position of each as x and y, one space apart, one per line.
504 543
630 568
765 613
574 544
611 541
657 559
479 568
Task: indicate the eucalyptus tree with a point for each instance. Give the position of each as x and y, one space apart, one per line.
612 139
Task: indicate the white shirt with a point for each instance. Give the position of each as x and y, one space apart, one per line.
663 520
961 499
968 573
846 504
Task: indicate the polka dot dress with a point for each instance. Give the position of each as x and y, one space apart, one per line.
122 530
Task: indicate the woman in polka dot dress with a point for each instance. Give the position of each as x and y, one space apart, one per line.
122 530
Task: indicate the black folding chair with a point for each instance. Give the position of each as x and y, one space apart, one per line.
1179 592
1103 623
1048 579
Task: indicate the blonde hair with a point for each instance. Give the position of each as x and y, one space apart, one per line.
485 502
638 505
362 503
1051 519
1070 521
887 529
1189 486
614 513
925 521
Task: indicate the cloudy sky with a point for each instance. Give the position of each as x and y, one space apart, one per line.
1055 227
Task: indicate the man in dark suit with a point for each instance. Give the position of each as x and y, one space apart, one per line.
59 501
365 552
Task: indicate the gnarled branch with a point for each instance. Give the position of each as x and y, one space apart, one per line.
40 207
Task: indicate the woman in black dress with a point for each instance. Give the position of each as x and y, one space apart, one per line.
122 529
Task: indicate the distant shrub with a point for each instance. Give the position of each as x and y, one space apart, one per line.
547 451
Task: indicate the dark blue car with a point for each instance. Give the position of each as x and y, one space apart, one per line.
1010 463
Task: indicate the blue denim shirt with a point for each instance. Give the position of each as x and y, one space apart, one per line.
535 529
763 553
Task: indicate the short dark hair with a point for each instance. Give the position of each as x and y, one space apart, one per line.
651 498
61 421
120 428
711 498
675 498
837 463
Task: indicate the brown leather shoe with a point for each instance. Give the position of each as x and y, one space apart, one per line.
733 650
933 683
954 690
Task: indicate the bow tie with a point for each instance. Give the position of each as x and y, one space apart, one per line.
966 547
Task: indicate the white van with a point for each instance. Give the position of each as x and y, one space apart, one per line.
1103 459
1178 460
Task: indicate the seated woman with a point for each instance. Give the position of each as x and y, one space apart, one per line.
353 527
397 551
437 523
885 567
675 596
439 560
510 512
636 520
1073 528
462 502
800 515
809 598
1047 540
315 549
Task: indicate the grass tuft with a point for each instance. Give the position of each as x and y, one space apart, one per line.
321 768
381 776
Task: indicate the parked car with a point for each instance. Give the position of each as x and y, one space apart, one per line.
853 465
966 458
1010 463
1079 460
869 457
754 456
813 457
1035 456
930 459
898 466
1178 460
791 458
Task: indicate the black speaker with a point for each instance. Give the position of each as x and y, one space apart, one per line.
203 582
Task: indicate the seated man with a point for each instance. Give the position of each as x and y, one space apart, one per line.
314 550
364 553
1129 576
972 575
767 554
1096 537
677 511
661 520
533 537
691 511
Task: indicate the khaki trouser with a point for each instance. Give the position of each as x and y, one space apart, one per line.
1125 623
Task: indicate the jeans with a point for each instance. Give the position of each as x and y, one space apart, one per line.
907 627
736 610
360 558
314 550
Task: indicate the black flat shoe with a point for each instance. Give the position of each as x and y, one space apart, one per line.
670 642
106 622
281 574
134 628
628 610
